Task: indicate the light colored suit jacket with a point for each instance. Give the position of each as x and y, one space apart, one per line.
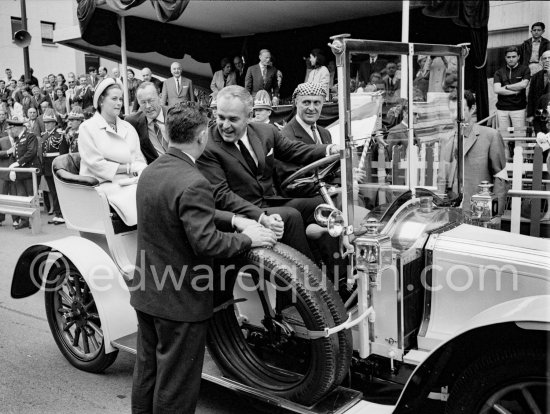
484 157
170 96
218 83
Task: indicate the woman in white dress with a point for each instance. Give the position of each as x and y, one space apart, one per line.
110 151
319 72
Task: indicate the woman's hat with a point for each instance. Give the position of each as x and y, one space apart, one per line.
262 100
104 84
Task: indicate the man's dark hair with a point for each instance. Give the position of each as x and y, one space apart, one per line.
183 120
468 95
540 24
511 49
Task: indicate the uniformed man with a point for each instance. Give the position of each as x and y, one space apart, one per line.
53 145
75 118
26 156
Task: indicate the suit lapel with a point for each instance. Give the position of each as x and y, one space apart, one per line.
471 140
300 132
230 148
257 146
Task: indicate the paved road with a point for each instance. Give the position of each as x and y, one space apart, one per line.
35 377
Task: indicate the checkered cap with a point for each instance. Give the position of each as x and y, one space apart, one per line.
309 89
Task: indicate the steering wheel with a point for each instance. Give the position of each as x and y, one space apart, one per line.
331 163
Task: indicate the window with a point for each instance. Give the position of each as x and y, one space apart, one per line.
46 29
16 25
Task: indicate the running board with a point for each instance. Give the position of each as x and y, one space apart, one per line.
338 401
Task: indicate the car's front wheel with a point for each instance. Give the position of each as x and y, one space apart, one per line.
512 381
74 321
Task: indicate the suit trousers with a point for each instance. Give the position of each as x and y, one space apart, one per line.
53 192
167 373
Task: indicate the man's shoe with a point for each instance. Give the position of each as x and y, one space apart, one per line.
15 223
58 220
22 224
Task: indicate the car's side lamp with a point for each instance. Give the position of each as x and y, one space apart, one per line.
484 204
373 251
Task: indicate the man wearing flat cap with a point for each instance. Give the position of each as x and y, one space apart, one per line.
25 152
308 98
239 162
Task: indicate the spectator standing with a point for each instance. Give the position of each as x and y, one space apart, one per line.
224 77
392 84
240 70
60 104
35 124
84 95
9 75
262 76
532 48
133 84
4 93
92 77
319 73
539 85
147 76
510 83
25 156
6 158
75 118
53 145
3 123
177 88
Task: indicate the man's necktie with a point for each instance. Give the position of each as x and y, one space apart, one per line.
247 157
178 86
160 137
315 135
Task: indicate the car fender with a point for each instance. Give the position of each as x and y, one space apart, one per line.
107 285
529 313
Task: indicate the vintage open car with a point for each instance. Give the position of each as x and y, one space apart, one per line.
437 312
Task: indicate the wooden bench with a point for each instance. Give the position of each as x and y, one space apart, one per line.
23 206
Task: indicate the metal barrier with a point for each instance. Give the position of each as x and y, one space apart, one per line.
24 206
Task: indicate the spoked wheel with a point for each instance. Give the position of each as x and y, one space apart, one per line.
74 321
262 335
512 381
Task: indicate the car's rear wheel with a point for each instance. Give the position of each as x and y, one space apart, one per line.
264 341
74 321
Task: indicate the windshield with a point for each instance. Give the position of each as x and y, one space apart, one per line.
400 137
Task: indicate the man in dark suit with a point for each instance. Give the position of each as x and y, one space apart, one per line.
240 70
177 88
4 92
309 99
150 122
532 49
177 234
239 162
539 85
262 76
84 95
372 64
35 124
26 156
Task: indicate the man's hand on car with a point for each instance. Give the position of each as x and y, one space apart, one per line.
275 223
260 236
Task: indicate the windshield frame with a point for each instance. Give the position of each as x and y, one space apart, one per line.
343 47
